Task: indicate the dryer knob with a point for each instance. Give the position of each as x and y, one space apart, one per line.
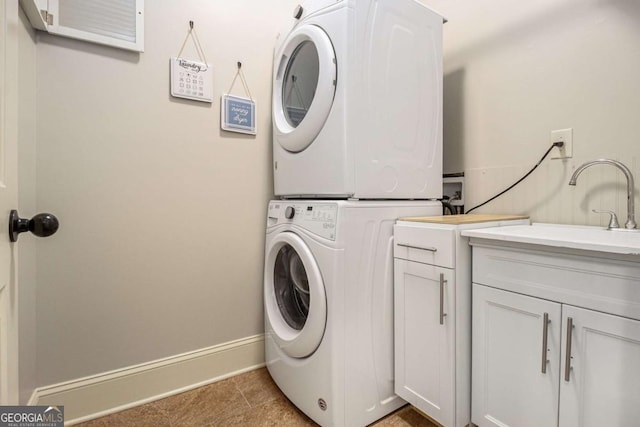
297 12
289 212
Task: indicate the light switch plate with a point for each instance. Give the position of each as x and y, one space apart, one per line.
566 136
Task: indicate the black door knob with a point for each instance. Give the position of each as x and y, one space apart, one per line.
42 225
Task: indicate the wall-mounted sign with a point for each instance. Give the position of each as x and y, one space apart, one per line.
191 80
238 114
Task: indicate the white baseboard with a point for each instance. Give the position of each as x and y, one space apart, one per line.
99 395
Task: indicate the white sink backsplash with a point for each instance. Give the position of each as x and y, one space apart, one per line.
546 195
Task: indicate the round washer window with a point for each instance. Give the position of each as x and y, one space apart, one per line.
294 295
291 286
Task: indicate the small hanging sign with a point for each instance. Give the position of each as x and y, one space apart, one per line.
238 114
191 79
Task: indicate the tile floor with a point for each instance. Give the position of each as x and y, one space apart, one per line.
250 399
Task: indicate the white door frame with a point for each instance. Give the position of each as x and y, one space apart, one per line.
9 21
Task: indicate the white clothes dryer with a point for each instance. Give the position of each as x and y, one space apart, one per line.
328 298
357 101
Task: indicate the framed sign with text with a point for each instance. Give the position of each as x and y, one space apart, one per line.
238 114
191 80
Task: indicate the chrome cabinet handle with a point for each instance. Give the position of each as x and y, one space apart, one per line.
567 359
430 249
545 330
442 313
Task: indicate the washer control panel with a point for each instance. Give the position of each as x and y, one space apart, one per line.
317 217
289 212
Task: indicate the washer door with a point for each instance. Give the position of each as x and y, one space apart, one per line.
304 87
294 294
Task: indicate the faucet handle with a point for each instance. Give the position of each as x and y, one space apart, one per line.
613 221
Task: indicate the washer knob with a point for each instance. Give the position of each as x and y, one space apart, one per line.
289 212
297 12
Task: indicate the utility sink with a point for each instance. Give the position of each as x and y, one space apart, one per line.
588 267
564 236
576 291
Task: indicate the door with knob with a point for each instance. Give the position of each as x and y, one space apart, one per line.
42 225
8 200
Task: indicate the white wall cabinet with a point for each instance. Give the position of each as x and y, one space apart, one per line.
432 313
543 361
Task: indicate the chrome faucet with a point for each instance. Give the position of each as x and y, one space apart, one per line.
631 222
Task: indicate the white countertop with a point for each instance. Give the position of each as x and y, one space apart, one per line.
564 236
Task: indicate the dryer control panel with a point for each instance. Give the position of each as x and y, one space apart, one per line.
317 217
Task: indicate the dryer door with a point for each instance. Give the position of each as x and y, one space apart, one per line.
294 294
304 87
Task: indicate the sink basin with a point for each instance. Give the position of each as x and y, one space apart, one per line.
564 236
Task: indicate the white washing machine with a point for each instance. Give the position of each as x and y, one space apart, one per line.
328 297
357 101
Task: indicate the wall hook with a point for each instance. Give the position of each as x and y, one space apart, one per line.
239 65
191 25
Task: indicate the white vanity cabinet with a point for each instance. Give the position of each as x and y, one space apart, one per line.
432 313
509 385
603 387
556 335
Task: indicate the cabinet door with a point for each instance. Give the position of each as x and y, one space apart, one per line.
511 385
424 338
603 385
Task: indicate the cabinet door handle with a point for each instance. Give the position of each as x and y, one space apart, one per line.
545 330
442 313
430 248
567 359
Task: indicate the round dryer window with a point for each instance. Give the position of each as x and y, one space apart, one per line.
304 87
295 300
299 82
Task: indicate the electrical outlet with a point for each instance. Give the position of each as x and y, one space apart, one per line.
566 136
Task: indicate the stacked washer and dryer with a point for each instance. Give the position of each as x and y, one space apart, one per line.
357 143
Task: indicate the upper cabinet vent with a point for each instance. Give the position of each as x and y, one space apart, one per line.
117 23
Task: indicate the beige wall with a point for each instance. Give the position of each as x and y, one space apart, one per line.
160 248
516 70
161 243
